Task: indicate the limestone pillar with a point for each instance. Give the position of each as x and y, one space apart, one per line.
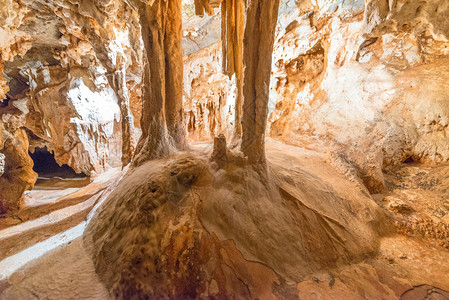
260 25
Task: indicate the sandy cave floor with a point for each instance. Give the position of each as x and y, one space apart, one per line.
42 256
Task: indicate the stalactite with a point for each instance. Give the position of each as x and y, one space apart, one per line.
202 6
117 81
128 136
260 25
232 28
162 85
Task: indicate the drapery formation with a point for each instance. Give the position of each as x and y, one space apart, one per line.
232 27
161 24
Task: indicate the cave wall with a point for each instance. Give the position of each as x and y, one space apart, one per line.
62 90
367 80
209 95
363 82
81 123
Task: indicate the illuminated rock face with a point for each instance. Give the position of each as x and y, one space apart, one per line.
67 69
361 83
368 83
80 124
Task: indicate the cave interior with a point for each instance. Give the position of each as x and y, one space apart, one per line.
215 149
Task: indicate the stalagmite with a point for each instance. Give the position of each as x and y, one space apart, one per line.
18 172
232 26
261 18
162 85
219 155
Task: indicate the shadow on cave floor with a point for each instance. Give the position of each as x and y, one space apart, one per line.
53 176
48 221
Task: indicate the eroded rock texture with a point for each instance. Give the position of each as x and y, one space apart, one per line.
17 173
80 124
66 70
364 80
209 96
363 83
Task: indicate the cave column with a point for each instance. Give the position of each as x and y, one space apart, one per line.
259 35
174 67
161 121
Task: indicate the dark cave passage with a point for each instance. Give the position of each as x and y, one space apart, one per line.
46 166
4 102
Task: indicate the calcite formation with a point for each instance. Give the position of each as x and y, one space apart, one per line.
347 77
209 96
179 229
17 171
182 94
79 133
232 30
260 25
82 57
162 117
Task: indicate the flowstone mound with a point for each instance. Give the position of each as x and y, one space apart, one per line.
182 228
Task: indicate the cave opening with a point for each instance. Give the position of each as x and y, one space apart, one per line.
46 166
409 160
4 102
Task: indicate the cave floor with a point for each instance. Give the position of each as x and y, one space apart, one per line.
53 217
42 255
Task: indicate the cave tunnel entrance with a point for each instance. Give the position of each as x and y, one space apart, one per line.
409 160
4 102
46 166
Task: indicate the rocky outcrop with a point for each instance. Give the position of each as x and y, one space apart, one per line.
70 64
80 125
16 166
14 41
